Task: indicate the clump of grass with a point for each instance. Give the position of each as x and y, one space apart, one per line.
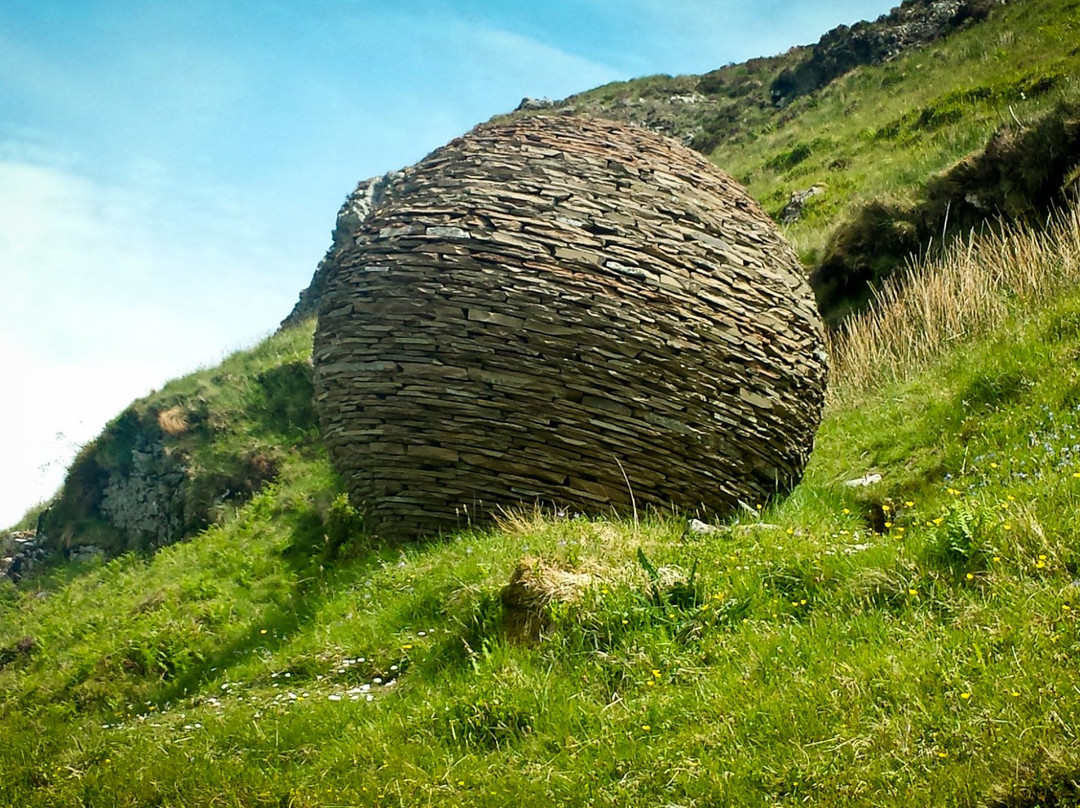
938 302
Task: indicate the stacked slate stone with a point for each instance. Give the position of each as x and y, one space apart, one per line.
566 311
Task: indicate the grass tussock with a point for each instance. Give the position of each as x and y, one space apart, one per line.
938 302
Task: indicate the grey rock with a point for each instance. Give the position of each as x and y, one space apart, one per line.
700 528
866 480
561 300
910 25
793 209
358 207
534 104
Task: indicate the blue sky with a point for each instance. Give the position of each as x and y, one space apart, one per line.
170 171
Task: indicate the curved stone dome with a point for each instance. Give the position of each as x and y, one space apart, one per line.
565 310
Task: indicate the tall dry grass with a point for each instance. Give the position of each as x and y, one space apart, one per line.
963 293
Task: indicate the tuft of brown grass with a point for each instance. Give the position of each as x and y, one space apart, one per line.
173 421
535 584
963 293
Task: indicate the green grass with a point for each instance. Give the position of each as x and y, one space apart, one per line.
883 130
799 656
910 643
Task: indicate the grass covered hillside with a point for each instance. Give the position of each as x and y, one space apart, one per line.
914 641
215 626
884 142
187 455
879 129
886 129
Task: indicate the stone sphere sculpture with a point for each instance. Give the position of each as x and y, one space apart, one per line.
566 311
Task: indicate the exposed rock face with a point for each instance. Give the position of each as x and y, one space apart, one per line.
154 476
353 213
914 23
147 501
534 104
124 490
793 209
543 306
19 553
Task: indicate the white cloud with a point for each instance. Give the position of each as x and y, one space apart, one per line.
109 291
49 409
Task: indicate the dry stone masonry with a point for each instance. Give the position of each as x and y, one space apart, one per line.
355 210
569 311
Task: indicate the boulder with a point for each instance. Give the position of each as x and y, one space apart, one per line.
566 311
792 211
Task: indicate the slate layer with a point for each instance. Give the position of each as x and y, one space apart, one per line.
540 306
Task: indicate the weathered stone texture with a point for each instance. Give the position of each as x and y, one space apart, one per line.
146 502
19 553
541 306
357 207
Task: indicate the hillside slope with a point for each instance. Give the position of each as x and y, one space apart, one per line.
911 641
183 457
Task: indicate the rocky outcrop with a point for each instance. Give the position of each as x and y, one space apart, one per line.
533 104
163 470
793 210
353 213
124 490
912 24
147 499
570 311
20 552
